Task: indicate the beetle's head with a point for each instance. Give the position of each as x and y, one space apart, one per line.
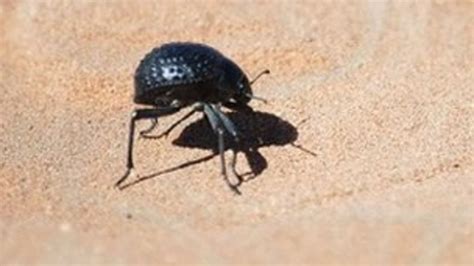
245 89
239 84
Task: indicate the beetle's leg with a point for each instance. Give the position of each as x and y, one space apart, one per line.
154 123
175 124
232 166
228 124
218 126
137 115
240 107
232 129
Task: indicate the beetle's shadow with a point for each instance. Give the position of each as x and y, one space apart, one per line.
257 130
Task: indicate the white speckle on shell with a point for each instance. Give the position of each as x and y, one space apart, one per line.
170 72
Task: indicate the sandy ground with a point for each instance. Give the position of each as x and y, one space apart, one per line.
366 151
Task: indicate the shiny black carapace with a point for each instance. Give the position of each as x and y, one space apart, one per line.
178 75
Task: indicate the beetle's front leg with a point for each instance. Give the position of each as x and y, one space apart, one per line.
219 123
137 115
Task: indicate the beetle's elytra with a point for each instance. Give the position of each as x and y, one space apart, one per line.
178 75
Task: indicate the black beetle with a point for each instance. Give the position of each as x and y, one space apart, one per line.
178 75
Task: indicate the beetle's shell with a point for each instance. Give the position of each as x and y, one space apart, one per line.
172 65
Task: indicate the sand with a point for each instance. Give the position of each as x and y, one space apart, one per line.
366 143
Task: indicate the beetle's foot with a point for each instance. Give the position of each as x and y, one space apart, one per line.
235 189
239 177
234 182
118 184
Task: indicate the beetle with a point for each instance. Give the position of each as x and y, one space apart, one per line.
184 74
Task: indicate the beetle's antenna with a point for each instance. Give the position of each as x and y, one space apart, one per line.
264 72
251 96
